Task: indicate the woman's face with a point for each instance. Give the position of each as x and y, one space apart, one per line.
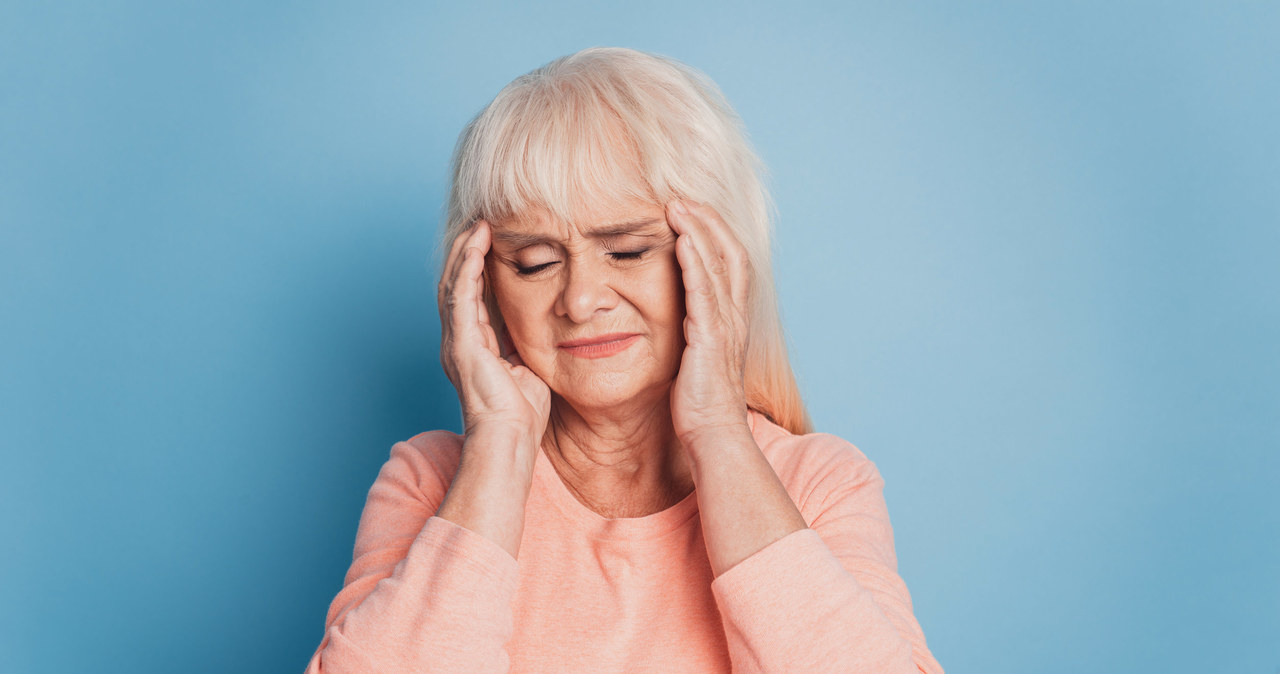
595 307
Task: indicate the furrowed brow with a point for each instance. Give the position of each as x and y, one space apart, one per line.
621 228
519 239
629 227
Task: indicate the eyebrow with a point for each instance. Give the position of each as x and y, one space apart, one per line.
521 239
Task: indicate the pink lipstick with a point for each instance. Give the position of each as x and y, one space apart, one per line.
601 346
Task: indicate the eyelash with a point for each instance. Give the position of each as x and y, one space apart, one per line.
620 256
530 271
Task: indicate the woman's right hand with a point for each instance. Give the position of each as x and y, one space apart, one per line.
498 395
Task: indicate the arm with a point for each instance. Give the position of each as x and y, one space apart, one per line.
423 593
743 505
789 602
827 598
434 573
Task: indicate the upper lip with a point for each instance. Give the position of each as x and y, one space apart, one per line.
598 339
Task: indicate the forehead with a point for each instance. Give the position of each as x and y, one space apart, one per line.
594 218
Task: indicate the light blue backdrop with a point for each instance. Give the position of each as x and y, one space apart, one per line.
1028 259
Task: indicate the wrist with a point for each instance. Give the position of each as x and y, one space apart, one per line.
711 424
717 442
500 451
499 434
489 491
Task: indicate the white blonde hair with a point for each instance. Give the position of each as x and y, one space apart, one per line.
589 124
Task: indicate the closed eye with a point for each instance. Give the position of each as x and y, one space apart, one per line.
619 256
530 271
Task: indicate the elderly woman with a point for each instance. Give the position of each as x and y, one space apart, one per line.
636 487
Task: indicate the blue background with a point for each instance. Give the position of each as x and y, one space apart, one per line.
1028 258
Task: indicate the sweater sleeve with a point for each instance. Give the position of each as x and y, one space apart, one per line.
423 594
827 598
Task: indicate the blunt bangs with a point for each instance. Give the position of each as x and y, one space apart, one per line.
563 149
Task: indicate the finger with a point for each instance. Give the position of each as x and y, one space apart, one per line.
466 294
444 289
482 310
701 307
508 345
729 248
704 243
449 271
450 267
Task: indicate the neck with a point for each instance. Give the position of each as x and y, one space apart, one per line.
620 461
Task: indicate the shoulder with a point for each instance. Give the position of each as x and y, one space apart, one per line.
814 467
442 449
423 466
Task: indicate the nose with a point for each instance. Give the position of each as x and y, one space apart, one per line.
586 291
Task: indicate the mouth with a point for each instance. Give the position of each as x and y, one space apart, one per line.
601 346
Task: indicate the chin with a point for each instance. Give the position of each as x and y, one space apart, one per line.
614 390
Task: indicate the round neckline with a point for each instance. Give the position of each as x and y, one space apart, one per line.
597 526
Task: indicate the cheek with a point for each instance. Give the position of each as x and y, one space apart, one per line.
520 306
659 295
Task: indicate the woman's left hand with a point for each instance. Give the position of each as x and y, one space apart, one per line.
708 397
743 505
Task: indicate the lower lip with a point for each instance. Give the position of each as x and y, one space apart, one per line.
601 349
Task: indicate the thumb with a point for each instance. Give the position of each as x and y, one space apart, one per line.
509 347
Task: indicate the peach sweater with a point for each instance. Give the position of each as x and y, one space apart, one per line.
591 594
